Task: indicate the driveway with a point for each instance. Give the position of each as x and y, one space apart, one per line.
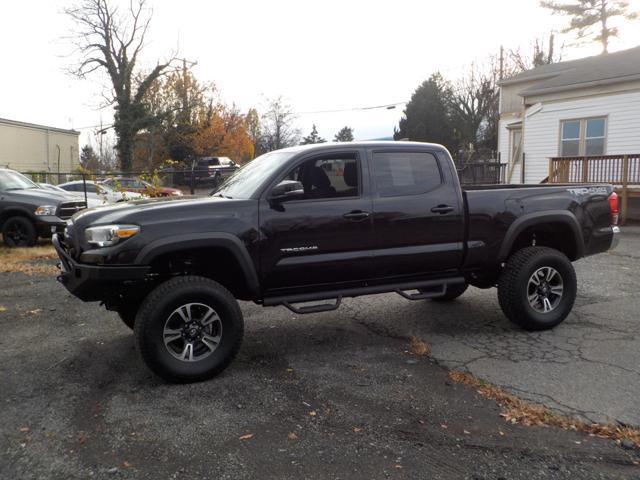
332 395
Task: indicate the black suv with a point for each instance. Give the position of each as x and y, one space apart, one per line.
28 211
320 223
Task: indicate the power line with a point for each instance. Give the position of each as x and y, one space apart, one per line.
388 106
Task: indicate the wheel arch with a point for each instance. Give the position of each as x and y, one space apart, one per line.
557 229
227 243
11 212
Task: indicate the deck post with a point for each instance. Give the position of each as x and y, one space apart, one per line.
625 189
585 170
549 178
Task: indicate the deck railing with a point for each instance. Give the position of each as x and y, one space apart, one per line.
615 169
621 171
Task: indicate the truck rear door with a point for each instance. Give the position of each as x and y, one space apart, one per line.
418 216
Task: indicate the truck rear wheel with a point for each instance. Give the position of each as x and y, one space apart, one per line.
537 288
189 329
19 232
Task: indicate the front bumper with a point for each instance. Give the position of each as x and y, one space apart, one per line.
94 282
47 225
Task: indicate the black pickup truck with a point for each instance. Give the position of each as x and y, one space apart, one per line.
28 211
307 226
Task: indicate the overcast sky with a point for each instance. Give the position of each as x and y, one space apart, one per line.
325 55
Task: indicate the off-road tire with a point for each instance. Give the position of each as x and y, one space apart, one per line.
453 292
27 230
513 287
157 307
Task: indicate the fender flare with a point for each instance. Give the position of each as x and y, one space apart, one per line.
177 243
537 218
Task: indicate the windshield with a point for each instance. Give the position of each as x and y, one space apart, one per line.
246 181
10 180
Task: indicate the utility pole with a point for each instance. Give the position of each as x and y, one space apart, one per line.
185 93
501 62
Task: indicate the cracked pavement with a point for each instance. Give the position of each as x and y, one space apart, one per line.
589 366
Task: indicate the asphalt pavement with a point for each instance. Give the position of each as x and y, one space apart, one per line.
333 395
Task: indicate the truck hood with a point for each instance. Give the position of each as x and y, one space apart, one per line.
40 196
154 211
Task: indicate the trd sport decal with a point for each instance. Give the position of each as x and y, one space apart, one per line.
299 249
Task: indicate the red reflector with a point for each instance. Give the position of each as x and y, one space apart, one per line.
613 205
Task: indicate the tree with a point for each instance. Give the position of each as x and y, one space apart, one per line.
427 116
278 129
88 158
541 53
252 120
112 42
344 135
590 18
474 105
313 137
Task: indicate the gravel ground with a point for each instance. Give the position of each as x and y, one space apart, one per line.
332 395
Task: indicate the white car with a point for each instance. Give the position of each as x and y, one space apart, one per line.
91 202
102 193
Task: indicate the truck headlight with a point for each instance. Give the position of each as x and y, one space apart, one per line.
107 235
45 210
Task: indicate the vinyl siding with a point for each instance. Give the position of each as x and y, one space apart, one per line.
542 129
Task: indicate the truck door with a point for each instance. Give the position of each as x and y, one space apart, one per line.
418 218
316 224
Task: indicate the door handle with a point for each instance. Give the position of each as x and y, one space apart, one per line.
356 215
442 209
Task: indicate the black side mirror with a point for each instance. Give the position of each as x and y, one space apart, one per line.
287 190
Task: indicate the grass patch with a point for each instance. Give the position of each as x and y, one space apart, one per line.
516 410
30 261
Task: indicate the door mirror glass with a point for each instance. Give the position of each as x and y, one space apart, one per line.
287 190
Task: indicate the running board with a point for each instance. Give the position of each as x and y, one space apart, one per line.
432 289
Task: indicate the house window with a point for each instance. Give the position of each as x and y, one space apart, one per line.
582 137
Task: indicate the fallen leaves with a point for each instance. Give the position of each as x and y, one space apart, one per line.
292 436
312 413
516 410
35 311
248 436
24 429
418 347
2 309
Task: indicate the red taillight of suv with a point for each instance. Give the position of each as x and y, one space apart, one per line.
613 205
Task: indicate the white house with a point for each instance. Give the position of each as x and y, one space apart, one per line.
586 107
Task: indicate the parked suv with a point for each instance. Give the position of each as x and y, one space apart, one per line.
28 211
320 223
213 169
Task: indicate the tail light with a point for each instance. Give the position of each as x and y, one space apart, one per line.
613 205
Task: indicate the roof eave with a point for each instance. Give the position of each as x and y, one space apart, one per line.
579 86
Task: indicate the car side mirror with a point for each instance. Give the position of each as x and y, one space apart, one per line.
287 190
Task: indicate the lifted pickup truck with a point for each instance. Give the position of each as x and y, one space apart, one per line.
320 223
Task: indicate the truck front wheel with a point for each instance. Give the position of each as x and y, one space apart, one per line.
537 288
19 232
189 329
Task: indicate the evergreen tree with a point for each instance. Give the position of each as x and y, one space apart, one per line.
313 137
427 116
344 135
590 18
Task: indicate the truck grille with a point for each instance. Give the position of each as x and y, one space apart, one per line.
67 209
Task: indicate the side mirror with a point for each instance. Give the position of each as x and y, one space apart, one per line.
287 190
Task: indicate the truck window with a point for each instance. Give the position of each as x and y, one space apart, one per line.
405 173
328 177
